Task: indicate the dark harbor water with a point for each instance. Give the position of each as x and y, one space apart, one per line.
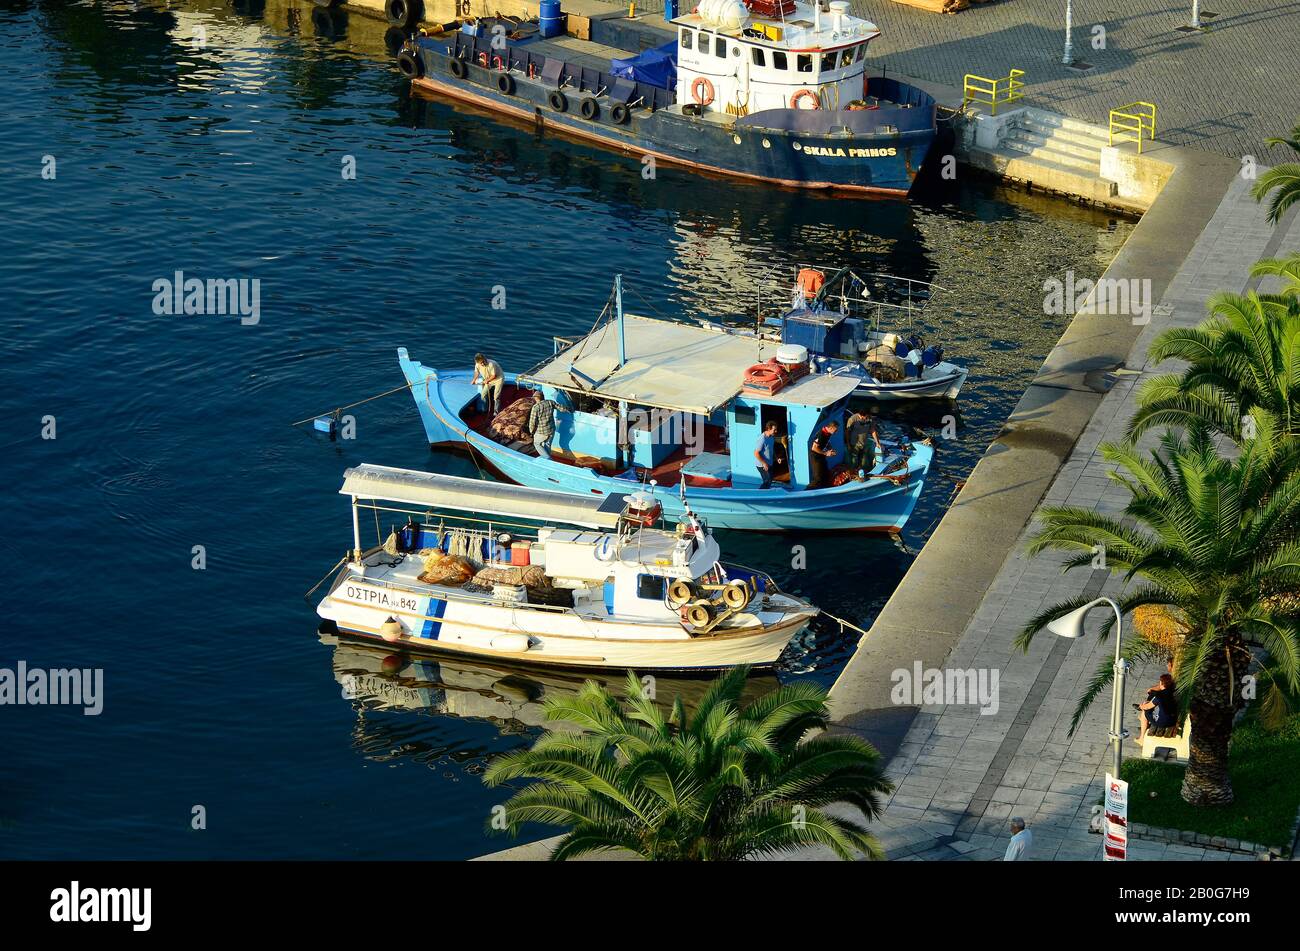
223 160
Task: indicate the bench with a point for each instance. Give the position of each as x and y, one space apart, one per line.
1179 744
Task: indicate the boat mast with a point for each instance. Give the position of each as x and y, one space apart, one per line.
620 436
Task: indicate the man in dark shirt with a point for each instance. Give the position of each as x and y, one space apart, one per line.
862 442
765 454
820 454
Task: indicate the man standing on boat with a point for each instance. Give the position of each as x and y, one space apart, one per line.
862 440
541 423
765 454
487 374
819 454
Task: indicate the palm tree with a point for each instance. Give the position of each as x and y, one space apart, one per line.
1243 364
1201 536
727 782
1283 180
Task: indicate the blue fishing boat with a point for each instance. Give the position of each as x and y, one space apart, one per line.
679 409
765 90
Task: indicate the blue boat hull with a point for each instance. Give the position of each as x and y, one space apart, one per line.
874 505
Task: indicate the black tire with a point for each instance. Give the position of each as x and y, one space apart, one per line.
404 13
691 109
590 108
620 113
458 68
559 102
411 65
506 83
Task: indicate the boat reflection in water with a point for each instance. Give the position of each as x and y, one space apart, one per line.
509 697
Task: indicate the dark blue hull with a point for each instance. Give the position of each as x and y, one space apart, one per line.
879 150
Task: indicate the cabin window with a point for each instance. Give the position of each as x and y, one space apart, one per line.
805 63
686 39
862 51
778 60
745 415
704 44
651 587
846 58
828 62
720 48
759 58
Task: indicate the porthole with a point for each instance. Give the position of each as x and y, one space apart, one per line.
767 143
736 139
796 146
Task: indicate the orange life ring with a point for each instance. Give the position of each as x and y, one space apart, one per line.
532 70
483 60
794 100
702 82
498 63
764 373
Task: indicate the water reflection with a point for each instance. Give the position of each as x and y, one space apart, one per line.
374 681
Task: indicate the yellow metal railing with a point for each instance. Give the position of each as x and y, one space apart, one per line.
1133 122
998 91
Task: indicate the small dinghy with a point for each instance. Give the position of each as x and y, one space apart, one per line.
593 583
840 324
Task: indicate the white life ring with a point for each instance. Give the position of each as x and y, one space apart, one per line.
604 550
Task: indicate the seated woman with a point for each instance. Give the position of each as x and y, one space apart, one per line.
1159 714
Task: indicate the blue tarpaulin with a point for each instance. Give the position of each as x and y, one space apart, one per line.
654 67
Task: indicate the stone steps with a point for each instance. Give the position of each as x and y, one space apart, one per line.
1050 150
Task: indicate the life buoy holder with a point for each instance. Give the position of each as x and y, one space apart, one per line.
458 68
798 97
702 90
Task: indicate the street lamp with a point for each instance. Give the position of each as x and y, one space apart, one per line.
1069 29
1071 626
1196 14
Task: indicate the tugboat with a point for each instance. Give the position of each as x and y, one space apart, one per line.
640 400
765 90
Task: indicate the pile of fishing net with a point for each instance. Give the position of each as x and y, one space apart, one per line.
532 577
511 424
441 568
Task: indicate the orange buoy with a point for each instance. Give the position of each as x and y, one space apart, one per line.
799 96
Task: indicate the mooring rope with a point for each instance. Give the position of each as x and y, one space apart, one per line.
405 386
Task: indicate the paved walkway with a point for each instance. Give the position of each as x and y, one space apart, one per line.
1225 91
960 774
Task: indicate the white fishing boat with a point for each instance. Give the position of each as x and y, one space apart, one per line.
847 334
543 578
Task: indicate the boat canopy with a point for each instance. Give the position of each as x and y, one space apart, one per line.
433 490
673 366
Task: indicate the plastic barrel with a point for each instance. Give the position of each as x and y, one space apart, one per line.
670 10
549 18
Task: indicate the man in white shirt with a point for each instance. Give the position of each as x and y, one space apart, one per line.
1021 840
487 374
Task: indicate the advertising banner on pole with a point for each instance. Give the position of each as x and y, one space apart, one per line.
1115 826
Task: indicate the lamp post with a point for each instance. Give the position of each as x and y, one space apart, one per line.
1196 14
1069 30
1071 626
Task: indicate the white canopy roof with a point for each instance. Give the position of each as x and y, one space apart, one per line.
673 366
432 490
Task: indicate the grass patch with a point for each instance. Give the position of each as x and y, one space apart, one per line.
1265 770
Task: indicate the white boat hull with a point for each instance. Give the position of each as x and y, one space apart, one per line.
943 381
536 634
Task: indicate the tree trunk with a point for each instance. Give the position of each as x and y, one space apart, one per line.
1206 782
1213 709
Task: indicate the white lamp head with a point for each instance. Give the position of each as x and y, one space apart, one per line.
1071 625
